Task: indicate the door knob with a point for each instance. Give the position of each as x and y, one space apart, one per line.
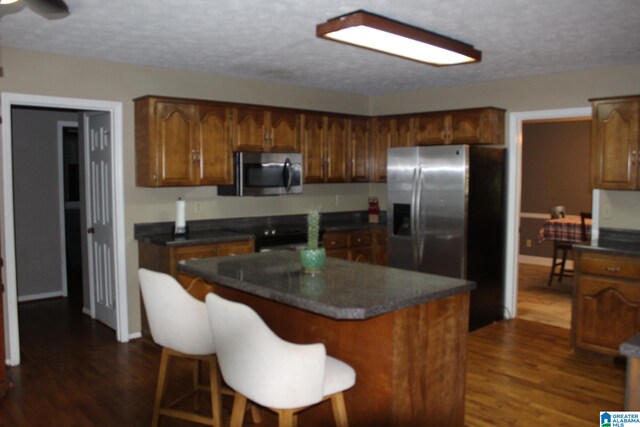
91 230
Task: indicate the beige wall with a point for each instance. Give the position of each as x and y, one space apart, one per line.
552 91
55 75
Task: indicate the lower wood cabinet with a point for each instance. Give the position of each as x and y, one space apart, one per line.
356 245
165 258
606 302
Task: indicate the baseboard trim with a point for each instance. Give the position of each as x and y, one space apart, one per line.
135 335
86 311
538 260
44 295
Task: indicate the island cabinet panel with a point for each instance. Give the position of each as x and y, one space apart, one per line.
181 143
606 302
615 143
410 363
359 139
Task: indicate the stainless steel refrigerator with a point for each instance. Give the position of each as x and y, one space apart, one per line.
446 216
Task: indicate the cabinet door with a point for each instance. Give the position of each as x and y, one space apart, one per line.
337 150
284 131
614 145
405 131
432 129
339 253
175 128
607 313
214 157
313 148
359 131
361 254
236 248
249 129
383 139
466 127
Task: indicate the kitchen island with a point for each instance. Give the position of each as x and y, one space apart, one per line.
403 332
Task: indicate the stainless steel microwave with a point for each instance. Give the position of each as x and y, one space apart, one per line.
265 174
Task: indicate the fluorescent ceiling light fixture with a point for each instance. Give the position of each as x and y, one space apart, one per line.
7 1
385 35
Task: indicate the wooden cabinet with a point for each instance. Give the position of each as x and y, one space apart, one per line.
471 126
325 148
181 143
606 302
382 138
360 245
166 258
359 140
380 246
262 129
615 143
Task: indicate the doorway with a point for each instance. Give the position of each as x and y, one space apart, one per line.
515 140
114 124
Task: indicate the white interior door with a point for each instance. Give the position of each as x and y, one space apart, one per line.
100 221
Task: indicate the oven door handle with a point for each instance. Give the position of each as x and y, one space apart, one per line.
288 176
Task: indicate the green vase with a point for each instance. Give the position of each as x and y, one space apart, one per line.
312 260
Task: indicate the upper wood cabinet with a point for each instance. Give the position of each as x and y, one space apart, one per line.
383 137
313 135
614 143
359 140
263 129
472 126
325 148
405 131
338 161
181 143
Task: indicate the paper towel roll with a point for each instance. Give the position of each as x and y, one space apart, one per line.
181 224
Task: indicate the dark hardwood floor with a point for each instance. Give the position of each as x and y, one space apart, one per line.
74 373
541 303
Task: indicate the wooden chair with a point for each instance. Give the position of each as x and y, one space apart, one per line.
284 377
180 324
583 224
559 247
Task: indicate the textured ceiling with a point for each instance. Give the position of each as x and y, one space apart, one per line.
275 40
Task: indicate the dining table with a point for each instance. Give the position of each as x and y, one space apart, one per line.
567 229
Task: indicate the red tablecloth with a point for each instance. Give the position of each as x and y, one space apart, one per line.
567 229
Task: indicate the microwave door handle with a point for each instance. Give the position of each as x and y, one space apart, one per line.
288 176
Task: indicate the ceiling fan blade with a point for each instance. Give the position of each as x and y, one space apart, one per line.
50 9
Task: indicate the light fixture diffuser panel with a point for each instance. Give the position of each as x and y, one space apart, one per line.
381 34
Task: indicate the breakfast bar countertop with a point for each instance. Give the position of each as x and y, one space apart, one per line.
343 290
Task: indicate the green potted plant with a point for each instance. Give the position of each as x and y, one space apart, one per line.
312 257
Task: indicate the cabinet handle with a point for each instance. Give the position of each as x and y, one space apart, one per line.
612 269
193 155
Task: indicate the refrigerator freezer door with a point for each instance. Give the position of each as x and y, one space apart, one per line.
442 209
401 184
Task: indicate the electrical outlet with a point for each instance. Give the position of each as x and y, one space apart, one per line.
197 207
606 211
528 243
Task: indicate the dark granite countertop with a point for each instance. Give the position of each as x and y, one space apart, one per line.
219 230
631 347
344 290
199 237
615 242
